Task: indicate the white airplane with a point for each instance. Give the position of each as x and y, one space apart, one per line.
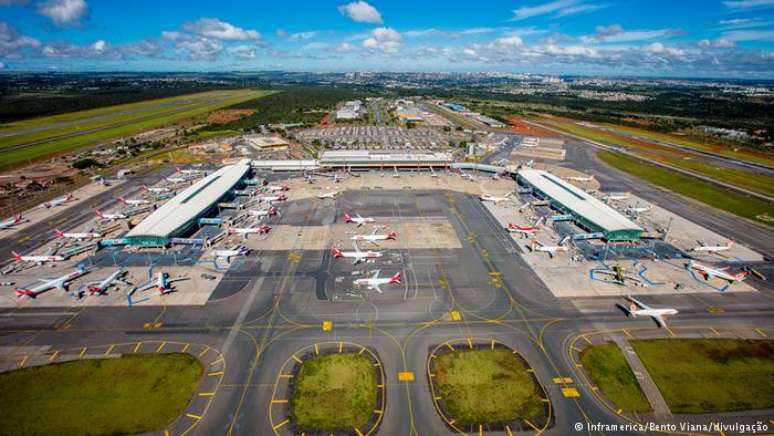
580 178
373 237
247 231
529 163
159 190
640 308
276 188
10 222
264 212
162 282
359 220
58 201
358 255
272 198
712 248
636 210
50 283
615 197
709 273
493 199
40 260
374 282
176 179
229 253
133 202
101 286
77 236
467 176
188 172
325 195
550 249
110 216
525 230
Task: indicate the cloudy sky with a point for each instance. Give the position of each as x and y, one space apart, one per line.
708 38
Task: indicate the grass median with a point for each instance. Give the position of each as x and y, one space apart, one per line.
486 386
706 193
609 371
335 392
126 395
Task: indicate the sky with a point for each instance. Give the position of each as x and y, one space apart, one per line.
675 38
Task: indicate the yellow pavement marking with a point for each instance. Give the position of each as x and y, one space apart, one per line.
297 359
110 349
378 412
158 350
576 349
508 431
361 350
406 376
327 326
671 333
760 332
341 346
449 345
587 339
567 380
206 394
279 401
493 343
216 361
570 392
191 415
280 424
53 356
185 348
83 351
715 310
215 373
23 361
204 351
316 348
286 375
618 412
626 332
534 427
455 315
359 433
714 330
137 347
166 432
470 343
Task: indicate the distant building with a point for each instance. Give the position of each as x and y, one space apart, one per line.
351 110
262 142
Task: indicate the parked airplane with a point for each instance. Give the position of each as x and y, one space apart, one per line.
325 195
162 282
133 202
155 190
229 253
712 248
176 179
188 172
359 220
709 273
639 308
636 210
374 282
40 260
110 216
272 198
275 188
50 283
493 199
526 231
101 286
58 201
615 197
77 236
620 276
373 237
580 178
550 249
358 255
10 222
247 231
264 212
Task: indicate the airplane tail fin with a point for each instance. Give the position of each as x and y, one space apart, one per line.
730 244
122 200
144 188
18 219
741 276
25 293
347 218
59 233
392 235
335 251
99 214
396 278
16 256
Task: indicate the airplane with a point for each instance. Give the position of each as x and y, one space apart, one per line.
493 199
158 190
58 201
247 231
359 220
275 188
162 282
358 255
467 176
619 276
10 222
580 179
229 253
712 248
175 179
331 194
373 237
50 283
615 197
110 216
133 202
264 212
710 273
375 281
526 230
101 286
188 172
271 198
550 249
529 163
635 210
76 236
37 259
639 308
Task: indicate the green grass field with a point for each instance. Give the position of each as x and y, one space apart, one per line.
135 122
484 386
720 198
711 375
132 394
751 180
335 391
609 371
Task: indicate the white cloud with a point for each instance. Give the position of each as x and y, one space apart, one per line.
615 33
558 9
345 47
171 35
749 35
302 36
217 29
12 43
201 49
747 4
510 40
383 38
244 52
98 46
361 12
64 12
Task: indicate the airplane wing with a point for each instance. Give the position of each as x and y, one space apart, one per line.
660 321
639 304
146 286
357 260
377 288
177 279
700 242
550 254
376 274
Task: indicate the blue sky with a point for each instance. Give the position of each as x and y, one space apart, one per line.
712 38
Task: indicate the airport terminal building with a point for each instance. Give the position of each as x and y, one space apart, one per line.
587 211
179 215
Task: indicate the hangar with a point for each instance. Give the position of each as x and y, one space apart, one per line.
179 215
587 211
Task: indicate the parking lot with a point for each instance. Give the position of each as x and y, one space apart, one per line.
376 138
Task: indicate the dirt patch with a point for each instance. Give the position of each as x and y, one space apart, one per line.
522 128
228 115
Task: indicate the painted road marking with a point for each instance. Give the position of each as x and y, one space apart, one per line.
316 348
286 375
206 394
406 376
53 356
760 332
204 351
161 346
83 351
23 361
185 348
570 392
279 401
212 374
455 315
137 347
191 415
449 345
327 326
110 349
280 424
297 359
